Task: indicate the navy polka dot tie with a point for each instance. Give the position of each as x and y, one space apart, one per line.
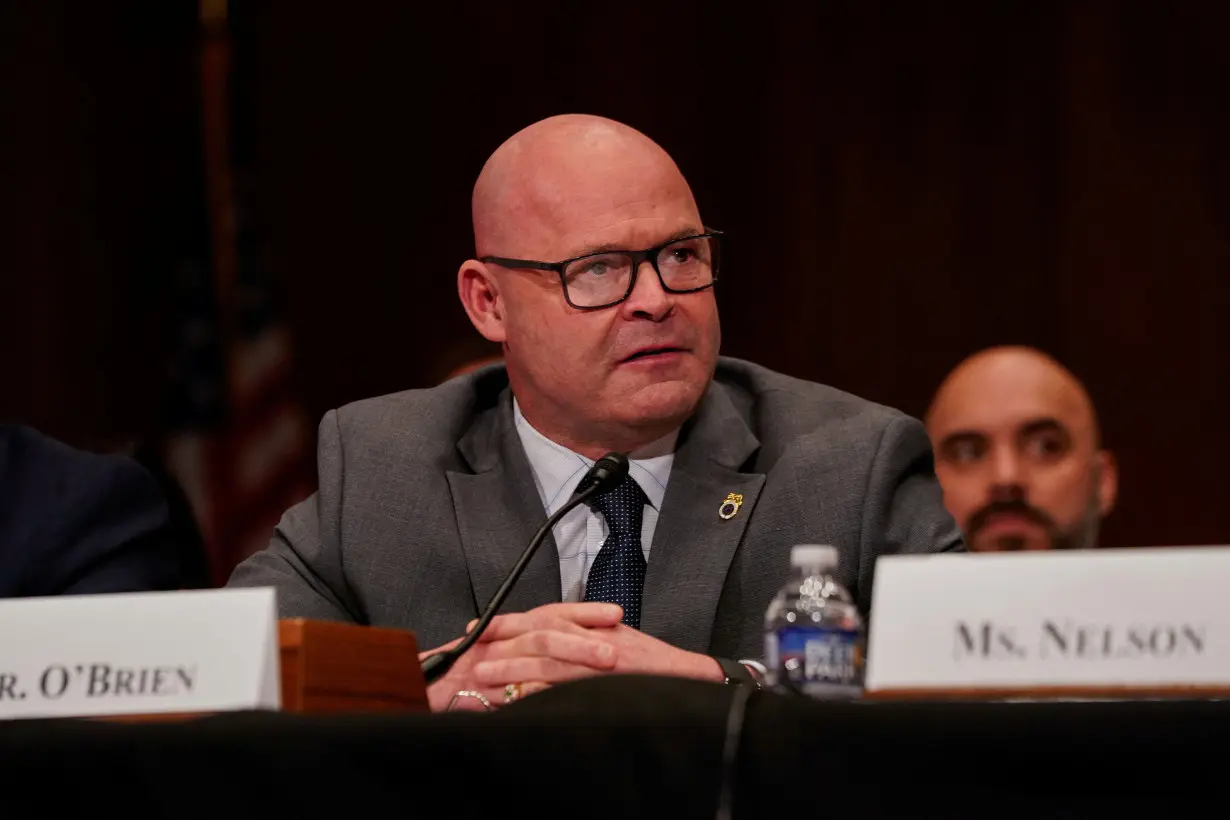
618 573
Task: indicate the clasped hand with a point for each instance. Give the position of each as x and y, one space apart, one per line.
556 643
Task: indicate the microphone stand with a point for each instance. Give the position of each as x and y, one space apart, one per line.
606 472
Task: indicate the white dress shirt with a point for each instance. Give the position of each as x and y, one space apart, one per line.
579 535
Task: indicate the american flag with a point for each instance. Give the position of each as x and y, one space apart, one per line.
239 442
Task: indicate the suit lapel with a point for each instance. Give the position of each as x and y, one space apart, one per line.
692 544
498 511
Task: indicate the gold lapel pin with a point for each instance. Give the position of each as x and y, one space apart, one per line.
730 507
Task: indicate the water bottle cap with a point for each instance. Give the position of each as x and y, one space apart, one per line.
813 555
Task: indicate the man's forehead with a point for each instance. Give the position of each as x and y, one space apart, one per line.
994 421
998 400
639 225
557 190
570 223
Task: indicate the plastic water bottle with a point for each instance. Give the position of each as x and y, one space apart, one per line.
813 633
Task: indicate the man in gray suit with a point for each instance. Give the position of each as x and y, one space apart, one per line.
427 497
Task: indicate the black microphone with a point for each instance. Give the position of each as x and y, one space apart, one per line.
604 475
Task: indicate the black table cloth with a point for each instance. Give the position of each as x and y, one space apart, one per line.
636 747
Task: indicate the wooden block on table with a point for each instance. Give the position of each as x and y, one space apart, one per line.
335 667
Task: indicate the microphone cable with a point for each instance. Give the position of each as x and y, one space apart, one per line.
735 718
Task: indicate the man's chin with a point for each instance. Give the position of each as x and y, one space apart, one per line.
662 403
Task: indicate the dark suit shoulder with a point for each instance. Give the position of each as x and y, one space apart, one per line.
76 521
427 420
781 409
47 473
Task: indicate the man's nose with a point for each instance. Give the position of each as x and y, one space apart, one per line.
1007 479
1005 466
648 298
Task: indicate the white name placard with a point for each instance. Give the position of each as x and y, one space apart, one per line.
1144 618
140 653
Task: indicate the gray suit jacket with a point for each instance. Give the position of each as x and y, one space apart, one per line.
426 500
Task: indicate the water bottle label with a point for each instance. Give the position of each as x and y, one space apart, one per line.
814 658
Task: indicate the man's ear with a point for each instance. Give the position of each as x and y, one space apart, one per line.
480 296
1108 481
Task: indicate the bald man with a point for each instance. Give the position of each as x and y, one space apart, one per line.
594 273
1018 453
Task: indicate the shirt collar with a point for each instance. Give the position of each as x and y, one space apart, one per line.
557 470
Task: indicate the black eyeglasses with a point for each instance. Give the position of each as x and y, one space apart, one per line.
601 280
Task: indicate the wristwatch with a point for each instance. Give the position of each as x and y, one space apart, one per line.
743 673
